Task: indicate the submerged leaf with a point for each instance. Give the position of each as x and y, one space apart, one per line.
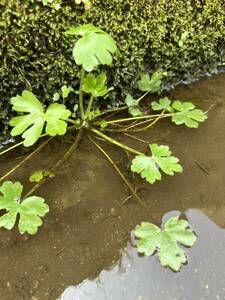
32 124
30 210
37 176
152 238
149 166
96 86
187 114
95 47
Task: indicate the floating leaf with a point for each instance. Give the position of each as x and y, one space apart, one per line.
30 209
152 238
187 114
162 104
149 166
95 47
96 86
133 107
32 124
152 84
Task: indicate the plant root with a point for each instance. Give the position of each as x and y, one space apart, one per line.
120 173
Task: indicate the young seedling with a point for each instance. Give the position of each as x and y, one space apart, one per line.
94 47
151 239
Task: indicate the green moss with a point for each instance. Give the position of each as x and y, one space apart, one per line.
35 54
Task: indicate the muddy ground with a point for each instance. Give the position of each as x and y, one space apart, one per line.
87 226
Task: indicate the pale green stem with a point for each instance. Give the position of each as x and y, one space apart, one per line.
89 106
143 96
136 118
81 94
115 142
122 107
21 143
26 159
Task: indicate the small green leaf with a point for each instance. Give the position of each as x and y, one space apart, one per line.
149 166
104 124
66 90
32 124
133 107
37 176
187 114
30 210
56 97
152 84
152 238
96 86
95 47
94 114
162 104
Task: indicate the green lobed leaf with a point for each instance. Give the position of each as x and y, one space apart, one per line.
37 176
187 114
95 47
30 210
133 107
32 124
151 84
66 90
152 238
162 104
96 86
149 166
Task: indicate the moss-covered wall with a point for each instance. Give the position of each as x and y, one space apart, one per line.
35 54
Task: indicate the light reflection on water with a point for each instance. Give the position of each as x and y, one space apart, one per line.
142 278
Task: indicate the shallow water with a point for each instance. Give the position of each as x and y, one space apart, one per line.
142 278
87 226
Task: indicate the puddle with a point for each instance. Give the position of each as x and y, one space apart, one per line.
87 226
142 278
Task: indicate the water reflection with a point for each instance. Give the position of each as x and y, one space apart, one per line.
142 278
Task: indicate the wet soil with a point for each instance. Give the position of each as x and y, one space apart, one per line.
86 226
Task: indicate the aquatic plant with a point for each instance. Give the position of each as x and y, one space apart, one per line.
94 48
151 238
30 209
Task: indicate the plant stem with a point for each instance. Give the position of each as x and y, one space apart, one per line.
143 96
123 107
26 159
89 106
73 122
115 142
81 93
136 118
120 173
136 138
21 143
146 127
59 162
